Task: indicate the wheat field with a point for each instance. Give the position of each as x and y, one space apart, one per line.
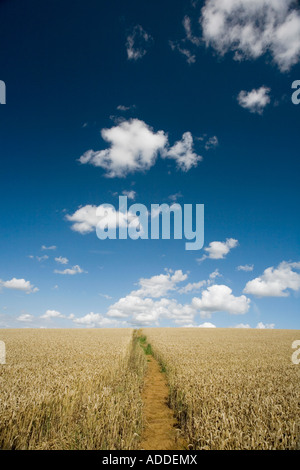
70 389
82 389
232 388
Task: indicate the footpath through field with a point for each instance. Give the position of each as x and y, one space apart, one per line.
160 431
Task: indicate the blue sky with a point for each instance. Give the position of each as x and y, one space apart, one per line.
186 102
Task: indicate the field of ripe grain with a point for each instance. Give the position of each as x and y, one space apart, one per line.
232 388
70 389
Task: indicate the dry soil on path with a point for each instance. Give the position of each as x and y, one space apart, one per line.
160 431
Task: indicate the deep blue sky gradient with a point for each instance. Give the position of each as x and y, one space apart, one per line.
65 64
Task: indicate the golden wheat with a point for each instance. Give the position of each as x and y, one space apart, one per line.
232 388
70 389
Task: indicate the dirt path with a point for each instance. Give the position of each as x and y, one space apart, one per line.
160 431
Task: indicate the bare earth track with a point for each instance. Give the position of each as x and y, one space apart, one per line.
160 431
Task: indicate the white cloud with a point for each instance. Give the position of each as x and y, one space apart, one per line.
274 282
133 147
93 320
146 311
52 247
207 325
262 326
255 100
25 317
218 250
182 152
197 286
19 284
219 298
149 304
246 267
130 194
51 314
86 218
160 285
142 309
242 325
251 28
179 313
74 270
61 260
137 43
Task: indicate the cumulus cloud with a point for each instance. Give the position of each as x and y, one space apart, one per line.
218 250
19 284
137 43
255 100
245 267
143 306
219 298
160 285
251 28
25 317
44 247
182 152
61 260
146 311
207 325
93 320
275 282
141 310
86 218
133 147
74 270
150 304
51 314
